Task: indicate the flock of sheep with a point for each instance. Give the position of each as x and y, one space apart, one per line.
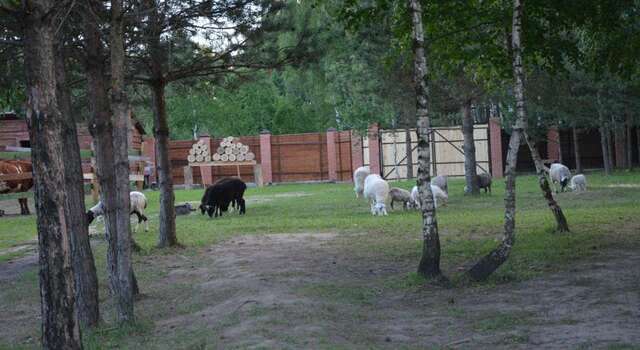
229 192
378 192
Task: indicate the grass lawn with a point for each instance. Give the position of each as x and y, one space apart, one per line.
602 220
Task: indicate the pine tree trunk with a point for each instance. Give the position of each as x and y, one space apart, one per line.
429 266
84 268
60 324
121 158
470 174
638 142
561 221
167 235
610 148
605 151
489 263
576 150
167 229
629 142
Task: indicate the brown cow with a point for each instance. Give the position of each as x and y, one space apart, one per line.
10 167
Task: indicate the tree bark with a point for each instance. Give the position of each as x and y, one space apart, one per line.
408 147
605 150
84 268
60 325
628 142
167 227
121 158
167 235
429 266
489 263
469 147
610 147
561 221
576 150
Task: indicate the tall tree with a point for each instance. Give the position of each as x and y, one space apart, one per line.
60 326
121 117
102 122
84 268
489 263
469 147
429 266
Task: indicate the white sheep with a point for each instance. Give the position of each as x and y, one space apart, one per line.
578 183
400 195
138 203
442 182
436 191
559 174
358 179
376 190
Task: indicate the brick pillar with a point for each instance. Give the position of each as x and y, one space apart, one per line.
553 144
206 171
265 156
332 157
374 149
149 151
495 147
356 151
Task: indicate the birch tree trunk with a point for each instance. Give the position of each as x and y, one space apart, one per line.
576 150
489 263
121 158
84 268
408 147
469 147
543 182
429 266
60 325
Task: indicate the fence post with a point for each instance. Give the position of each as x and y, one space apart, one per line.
332 159
356 151
374 149
188 177
205 171
265 156
495 148
553 144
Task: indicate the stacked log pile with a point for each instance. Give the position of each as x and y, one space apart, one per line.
230 150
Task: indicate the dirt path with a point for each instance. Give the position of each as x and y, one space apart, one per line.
309 291
290 291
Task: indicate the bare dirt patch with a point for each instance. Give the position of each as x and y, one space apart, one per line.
307 291
295 290
12 208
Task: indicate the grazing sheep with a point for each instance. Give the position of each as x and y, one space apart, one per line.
376 190
484 182
442 182
559 174
400 195
436 191
217 197
137 203
578 183
184 209
358 179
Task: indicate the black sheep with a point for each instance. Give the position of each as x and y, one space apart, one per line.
217 197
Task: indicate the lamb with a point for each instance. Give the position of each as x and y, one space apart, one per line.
376 190
578 183
442 182
400 195
436 191
217 197
137 202
358 179
559 174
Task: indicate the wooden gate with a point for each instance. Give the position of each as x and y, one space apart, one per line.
447 155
